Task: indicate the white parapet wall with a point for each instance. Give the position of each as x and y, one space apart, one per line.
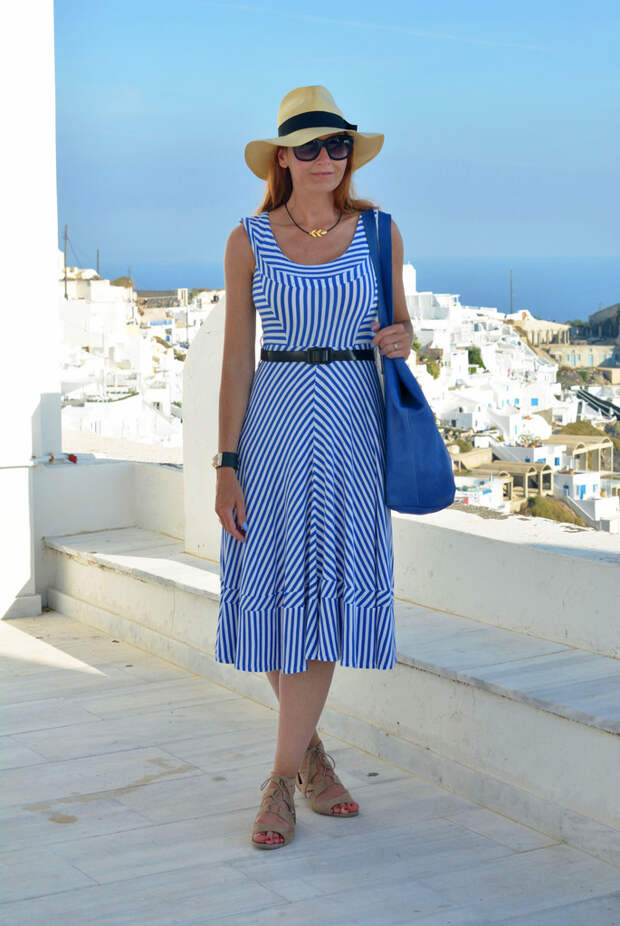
532 575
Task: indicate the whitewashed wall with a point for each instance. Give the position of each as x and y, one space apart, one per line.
29 366
201 386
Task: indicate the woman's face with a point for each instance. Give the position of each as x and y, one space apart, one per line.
323 174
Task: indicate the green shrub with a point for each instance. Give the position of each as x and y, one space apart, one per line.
544 506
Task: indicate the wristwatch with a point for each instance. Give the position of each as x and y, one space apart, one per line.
226 458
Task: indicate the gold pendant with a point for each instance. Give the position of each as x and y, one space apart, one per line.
318 232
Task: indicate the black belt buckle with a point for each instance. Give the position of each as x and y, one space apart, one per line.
318 355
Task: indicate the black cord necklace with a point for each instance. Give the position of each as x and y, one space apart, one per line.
316 232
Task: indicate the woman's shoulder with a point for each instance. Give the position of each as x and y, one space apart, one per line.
239 244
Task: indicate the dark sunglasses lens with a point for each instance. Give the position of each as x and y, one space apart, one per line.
309 151
339 146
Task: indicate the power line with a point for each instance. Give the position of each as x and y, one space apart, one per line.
80 262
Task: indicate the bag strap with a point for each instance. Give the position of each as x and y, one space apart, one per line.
372 235
370 227
385 253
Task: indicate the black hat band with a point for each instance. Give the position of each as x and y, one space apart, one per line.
315 119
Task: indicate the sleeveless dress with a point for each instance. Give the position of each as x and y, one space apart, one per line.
314 578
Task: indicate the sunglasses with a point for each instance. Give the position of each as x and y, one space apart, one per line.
338 148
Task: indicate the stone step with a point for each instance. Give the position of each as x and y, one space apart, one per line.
524 726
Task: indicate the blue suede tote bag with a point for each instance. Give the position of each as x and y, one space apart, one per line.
419 476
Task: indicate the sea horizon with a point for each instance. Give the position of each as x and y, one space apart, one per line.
552 288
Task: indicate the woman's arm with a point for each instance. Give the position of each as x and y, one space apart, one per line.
238 359
238 363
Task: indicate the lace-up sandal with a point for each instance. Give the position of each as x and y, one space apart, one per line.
276 811
317 761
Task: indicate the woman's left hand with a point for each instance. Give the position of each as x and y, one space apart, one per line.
387 337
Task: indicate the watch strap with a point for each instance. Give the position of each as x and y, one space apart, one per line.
226 458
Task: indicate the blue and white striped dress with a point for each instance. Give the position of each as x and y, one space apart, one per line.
314 578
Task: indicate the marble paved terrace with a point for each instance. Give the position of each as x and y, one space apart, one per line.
129 787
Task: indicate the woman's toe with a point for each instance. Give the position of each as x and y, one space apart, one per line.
346 808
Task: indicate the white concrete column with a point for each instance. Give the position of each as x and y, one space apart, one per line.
202 373
29 358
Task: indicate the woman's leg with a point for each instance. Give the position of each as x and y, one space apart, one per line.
274 681
302 696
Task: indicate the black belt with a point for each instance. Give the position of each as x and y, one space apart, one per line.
319 354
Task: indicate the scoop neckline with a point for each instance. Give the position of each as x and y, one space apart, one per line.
325 263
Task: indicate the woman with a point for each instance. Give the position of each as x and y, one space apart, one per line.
307 565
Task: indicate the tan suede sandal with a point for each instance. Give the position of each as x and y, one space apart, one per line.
317 760
278 803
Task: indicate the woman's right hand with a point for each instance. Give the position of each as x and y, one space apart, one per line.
228 496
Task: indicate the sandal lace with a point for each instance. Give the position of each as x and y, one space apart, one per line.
327 767
280 795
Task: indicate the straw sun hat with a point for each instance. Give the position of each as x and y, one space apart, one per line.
304 114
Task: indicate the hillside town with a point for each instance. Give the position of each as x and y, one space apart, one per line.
505 389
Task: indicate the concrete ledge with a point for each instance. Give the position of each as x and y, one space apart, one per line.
514 723
538 577
577 685
530 575
23 606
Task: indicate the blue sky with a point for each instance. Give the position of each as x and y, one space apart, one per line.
501 120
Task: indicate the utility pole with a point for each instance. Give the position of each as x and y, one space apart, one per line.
66 242
98 274
511 308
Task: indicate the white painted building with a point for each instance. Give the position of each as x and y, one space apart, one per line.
93 313
554 455
591 496
504 394
135 418
206 298
484 491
